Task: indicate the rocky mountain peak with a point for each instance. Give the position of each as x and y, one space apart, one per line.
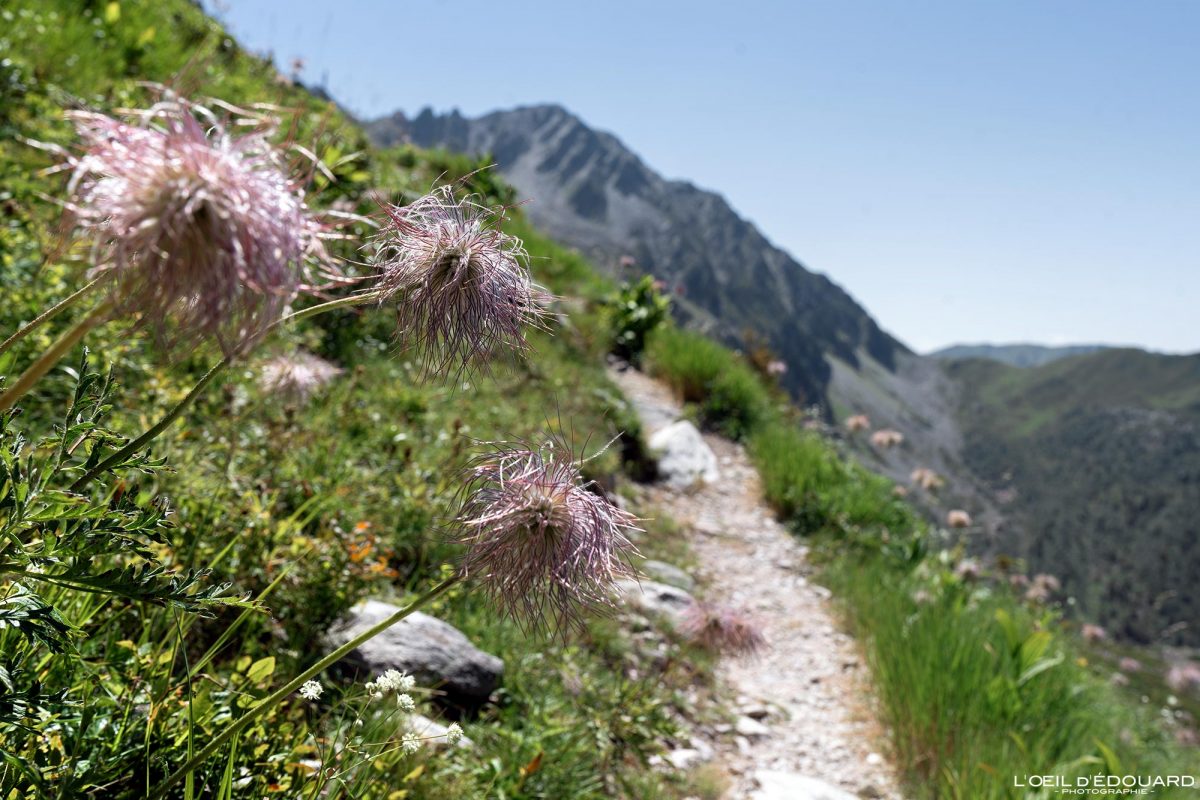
591 191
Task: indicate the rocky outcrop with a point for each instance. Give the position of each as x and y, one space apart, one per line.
436 653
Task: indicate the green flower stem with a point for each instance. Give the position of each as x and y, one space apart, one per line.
52 356
47 315
178 409
273 699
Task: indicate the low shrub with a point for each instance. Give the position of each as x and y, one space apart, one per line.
635 309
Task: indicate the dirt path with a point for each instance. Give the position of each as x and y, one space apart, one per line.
810 681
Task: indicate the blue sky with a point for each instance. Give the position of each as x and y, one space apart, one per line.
969 171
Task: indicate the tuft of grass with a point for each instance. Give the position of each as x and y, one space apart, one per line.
727 393
978 691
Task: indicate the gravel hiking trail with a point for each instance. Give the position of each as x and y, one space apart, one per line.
804 705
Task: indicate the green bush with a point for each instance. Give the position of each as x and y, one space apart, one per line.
635 310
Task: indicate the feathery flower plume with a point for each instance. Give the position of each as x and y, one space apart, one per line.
1093 633
957 518
1042 588
1182 677
721 629
858 422
296 377
926 479
202 231
461 286
968 570
886 438
539 540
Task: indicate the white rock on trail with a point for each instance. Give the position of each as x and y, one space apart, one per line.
684 459
778 785
655 599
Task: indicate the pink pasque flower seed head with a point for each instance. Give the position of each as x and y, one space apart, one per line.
460 285
202 232
721 629
297 376
540 540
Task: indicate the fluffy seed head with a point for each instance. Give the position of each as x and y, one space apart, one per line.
461 286
202 231
296 377
858 422
968 570
721 629
1182 677
1128 664
1042 588
957 518
926 479
886 438
539 540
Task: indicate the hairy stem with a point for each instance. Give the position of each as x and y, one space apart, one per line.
174 413
279 694
47 315
52 356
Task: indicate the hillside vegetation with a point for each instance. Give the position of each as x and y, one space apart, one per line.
978 685
1099 456
299 509
1017 355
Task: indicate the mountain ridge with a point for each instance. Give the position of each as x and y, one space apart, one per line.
1017 354
592 191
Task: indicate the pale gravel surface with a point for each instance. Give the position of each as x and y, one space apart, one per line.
811 676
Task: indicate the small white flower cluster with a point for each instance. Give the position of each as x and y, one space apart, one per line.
410 744
454 733
395 681
311 690
391 681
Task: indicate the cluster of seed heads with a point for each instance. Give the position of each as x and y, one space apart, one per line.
203 234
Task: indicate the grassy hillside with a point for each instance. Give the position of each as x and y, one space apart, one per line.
304 509
1099 456
978 685
1017 355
